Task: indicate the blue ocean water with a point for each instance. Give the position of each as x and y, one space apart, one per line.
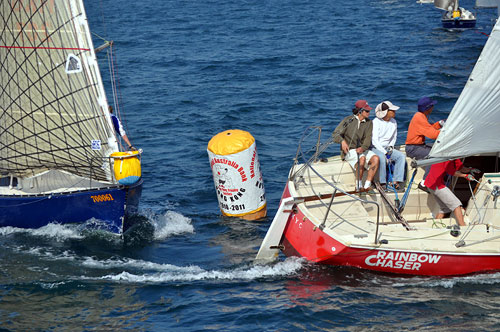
191 69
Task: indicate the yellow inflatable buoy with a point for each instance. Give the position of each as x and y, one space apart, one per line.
127 167
237 175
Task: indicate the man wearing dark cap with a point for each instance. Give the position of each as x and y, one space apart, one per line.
354 133
419 129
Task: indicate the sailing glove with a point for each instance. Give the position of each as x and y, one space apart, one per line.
470 177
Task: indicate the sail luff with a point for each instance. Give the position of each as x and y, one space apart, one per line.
112 141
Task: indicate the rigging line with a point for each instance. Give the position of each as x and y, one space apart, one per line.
27 57
45 162
115 84
98 36
471 225
40 109
46 48
48 36
114 81
82 158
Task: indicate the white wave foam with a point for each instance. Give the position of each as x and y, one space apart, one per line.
478 279
285 268
171 223
137 264
56 231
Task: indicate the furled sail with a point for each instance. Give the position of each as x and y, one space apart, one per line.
473 126
53 109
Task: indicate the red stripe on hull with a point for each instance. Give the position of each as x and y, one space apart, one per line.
303 239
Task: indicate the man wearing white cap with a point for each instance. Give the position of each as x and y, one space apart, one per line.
385 132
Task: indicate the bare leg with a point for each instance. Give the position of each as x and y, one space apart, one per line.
459 216
361 167
374 162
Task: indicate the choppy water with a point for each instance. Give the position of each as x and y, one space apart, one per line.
190 69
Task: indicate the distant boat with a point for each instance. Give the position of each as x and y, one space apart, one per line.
455 17
56 133
323 219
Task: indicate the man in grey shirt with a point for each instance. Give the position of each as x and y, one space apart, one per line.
354 133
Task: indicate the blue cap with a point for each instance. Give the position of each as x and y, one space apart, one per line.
425 103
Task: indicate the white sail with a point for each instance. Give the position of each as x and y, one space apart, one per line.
446 4
473 126
53 109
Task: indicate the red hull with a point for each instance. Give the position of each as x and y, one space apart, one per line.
301 238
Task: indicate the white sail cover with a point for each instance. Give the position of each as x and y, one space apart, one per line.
53 109
473 126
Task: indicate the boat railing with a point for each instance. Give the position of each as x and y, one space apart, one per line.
307 164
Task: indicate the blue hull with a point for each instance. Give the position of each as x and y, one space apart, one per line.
110 207
458 24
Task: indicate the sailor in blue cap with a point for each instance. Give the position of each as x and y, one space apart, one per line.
419 129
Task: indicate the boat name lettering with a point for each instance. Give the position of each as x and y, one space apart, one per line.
401 260
102 198
232 164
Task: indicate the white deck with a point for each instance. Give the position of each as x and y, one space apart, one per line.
354 223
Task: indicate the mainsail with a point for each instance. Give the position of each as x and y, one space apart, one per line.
473 126
53 108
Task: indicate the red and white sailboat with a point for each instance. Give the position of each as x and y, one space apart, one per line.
323 219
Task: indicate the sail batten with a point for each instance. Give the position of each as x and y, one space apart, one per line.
53 109
474 123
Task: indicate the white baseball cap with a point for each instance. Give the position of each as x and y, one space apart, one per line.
382 109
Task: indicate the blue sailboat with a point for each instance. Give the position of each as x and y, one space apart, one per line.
58 147
455 17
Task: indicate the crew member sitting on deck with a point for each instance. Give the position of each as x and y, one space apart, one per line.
435 182
418 130
119 128
385 132
354 133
